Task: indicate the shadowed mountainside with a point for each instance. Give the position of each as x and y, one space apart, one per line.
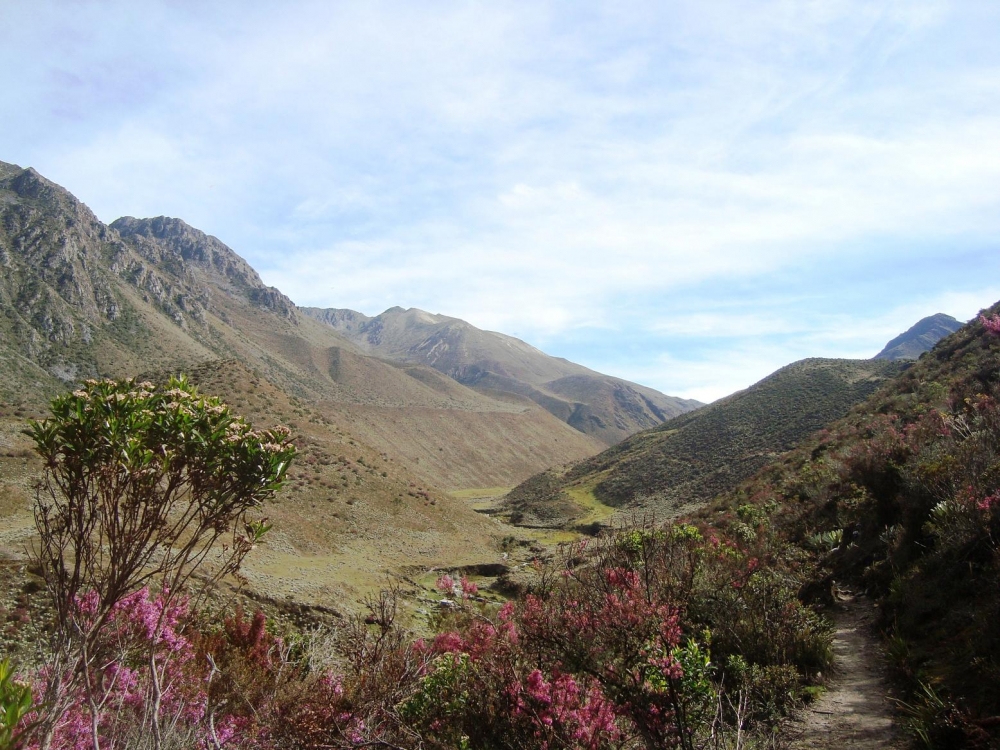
920 337
599 405
691 458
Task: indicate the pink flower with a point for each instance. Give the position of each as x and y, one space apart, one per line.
449 643
468 588
991 323
989 502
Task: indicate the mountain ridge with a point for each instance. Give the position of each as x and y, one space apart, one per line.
607 407
920 337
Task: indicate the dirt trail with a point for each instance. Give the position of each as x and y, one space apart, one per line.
855 712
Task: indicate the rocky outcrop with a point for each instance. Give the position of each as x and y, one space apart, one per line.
187 252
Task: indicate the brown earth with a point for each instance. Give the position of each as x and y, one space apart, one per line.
856 711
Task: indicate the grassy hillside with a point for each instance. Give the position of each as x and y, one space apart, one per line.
902 497
691 458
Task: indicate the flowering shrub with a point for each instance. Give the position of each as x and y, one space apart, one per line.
139 630
991 323
607 623
480 690
142 483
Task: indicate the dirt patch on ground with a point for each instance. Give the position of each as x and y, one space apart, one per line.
857 710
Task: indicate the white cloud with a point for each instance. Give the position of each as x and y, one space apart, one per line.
536 167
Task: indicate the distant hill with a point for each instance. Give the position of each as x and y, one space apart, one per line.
690 459
921 337
608 408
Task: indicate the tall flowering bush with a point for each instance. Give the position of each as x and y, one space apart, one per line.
608 624
481 688
142 483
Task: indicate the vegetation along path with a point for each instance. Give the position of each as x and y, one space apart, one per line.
855 711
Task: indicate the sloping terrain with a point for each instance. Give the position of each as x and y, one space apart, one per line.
80 299
920 337
348 514
381 441
691 458
599 405
901 498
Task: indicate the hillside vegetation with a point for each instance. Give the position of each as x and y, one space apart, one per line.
652 637
902 497
690 459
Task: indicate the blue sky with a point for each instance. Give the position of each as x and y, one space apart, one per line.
686 194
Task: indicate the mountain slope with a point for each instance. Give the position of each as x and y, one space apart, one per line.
81 299
606 407
381 441
691 458
920 337
901 498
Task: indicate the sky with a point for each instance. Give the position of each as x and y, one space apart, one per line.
688 195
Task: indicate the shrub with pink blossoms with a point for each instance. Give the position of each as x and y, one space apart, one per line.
480 690
119 678
991 323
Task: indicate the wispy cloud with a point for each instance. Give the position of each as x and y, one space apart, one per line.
645 174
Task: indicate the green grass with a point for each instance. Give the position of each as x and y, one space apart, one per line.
554 536
594 510
479 493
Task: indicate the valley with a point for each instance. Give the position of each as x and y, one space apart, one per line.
426 447
402 419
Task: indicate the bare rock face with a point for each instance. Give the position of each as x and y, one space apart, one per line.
78 297
54 289
173 244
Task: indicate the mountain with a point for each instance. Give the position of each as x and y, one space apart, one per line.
81 299
920 338
690 459
900 499
608 408
382 443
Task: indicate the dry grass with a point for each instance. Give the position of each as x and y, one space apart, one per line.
349 518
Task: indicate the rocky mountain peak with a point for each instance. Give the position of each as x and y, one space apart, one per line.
174 244
920 337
